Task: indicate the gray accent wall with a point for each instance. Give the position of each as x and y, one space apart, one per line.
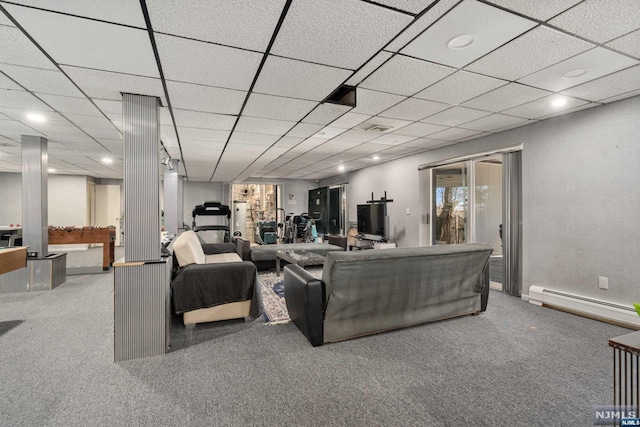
195 193
581 203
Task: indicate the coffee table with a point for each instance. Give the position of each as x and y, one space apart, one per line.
301 258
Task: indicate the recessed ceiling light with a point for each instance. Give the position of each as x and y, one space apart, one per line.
461 42
573 74
107 160
559 102
376 157
51 170
341 167
36 117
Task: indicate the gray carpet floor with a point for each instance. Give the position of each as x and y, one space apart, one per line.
515 365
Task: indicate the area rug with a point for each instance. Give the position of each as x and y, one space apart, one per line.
272 290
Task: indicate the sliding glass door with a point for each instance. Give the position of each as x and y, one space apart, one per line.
451 204
478 200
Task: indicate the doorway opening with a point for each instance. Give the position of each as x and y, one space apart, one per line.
256 212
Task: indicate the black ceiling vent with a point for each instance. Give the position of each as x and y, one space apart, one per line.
344 95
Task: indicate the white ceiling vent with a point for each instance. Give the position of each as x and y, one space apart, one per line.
378 128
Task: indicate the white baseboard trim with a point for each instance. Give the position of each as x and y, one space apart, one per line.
589 307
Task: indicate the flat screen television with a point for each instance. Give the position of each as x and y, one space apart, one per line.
371 219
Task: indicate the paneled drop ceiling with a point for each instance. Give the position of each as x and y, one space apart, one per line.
242 83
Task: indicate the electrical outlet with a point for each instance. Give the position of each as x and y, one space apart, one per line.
603 282
408 211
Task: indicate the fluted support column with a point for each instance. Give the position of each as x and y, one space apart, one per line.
35 232
141 178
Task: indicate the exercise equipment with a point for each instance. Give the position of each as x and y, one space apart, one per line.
212 209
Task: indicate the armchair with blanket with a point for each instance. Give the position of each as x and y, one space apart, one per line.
212 282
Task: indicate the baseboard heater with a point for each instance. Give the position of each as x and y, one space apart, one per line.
588 307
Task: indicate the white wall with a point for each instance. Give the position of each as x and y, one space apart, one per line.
10 198
67 199
580 198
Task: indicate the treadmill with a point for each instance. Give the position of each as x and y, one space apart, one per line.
212 209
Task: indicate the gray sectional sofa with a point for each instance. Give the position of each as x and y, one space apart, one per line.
367 292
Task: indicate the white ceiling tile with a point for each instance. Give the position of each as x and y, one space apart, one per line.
253 139
14 130
492 122
455 116
420 24
110 85
287 142
203 134
590 65
343 34
103 133
325 113
504 97
86 43
203 145
569 111
205 98
21 99
459 87
392 139
420 129
329 132
112 109
366 148
490 27
20 114
7 83
608 86
543 107
349 120
304 80
126 12
17 49
304 130
405 76
413 6
264 126
372 102
41 80
629 44
310 143
599 20
368 68
620 97
243 23
192 61
275 107
414 109
536 9
454 134
529 53
359 136
65 104
198 119
393 124
423 143
399 150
